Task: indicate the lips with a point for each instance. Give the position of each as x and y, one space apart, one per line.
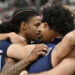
38 35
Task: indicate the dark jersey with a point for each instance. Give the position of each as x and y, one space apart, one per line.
44 62
3 46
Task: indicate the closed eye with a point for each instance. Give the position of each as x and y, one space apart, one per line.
38 24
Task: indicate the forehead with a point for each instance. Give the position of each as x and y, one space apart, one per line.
35 19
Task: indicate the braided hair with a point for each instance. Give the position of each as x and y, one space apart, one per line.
20 15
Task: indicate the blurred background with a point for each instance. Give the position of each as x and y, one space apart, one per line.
7 7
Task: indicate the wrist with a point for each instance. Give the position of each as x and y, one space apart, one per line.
29 59
7 35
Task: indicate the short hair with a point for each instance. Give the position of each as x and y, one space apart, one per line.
58 18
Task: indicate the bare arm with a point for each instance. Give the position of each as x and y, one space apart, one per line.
4 36
14 38
66 67
14 69
64 48
20 52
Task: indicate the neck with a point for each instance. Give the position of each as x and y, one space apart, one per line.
24 36
58 35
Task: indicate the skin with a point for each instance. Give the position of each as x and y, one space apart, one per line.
13 38
65 66
68 37
26 29
59 52
30 28
14 67
48 33
63 49
67 46
63 57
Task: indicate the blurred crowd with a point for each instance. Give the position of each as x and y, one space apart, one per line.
7 7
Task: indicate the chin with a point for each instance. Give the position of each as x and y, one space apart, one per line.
46 40
35 39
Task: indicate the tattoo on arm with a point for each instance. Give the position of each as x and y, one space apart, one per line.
13 68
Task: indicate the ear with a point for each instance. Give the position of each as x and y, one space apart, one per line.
23 25
46 25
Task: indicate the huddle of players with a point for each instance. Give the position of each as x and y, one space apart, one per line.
52 54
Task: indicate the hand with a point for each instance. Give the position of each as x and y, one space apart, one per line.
16 39
40 49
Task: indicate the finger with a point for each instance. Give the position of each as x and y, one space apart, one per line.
42 53
43 49
43 45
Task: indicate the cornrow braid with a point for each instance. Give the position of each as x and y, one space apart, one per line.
20 15
20 12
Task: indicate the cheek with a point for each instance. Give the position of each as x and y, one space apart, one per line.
32 28
46 34
33 31
43 34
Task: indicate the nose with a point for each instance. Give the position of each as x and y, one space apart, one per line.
39 31
39 28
